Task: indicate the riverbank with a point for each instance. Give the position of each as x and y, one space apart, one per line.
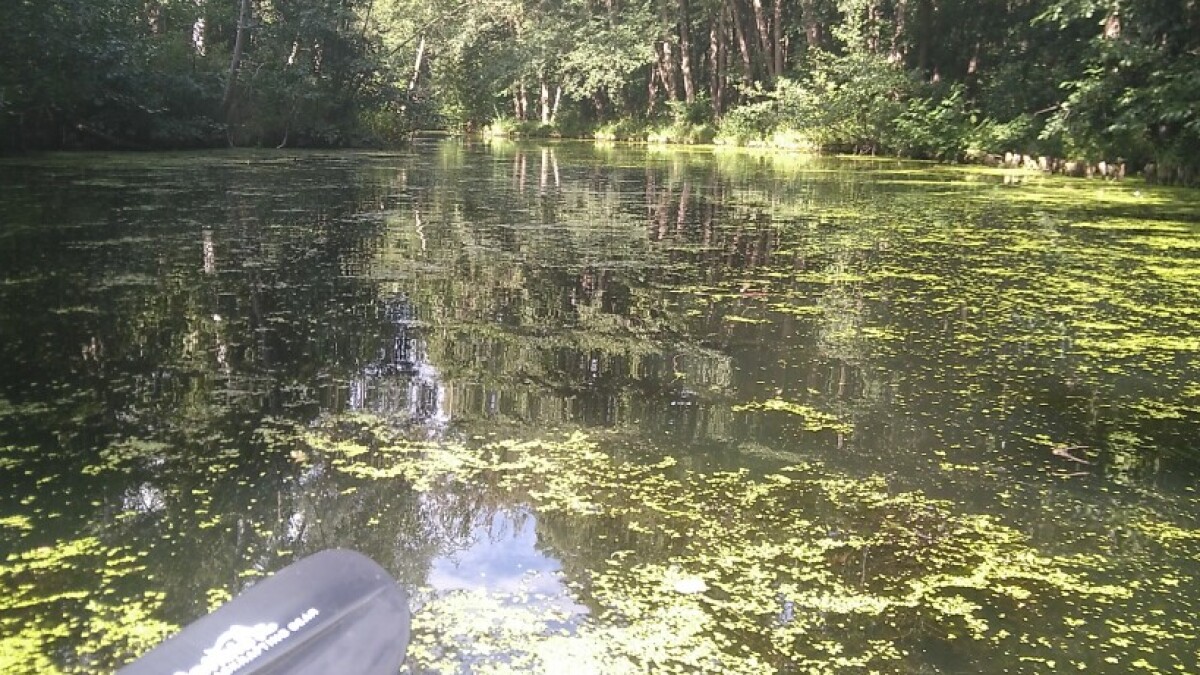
704 135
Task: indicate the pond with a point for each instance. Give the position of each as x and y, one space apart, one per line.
605 408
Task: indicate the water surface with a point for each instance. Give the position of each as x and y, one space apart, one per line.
606 408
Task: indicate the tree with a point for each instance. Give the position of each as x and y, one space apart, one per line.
1084 79
1135 94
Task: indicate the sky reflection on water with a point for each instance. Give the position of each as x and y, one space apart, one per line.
188 341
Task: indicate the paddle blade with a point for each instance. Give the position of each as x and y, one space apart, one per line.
333 612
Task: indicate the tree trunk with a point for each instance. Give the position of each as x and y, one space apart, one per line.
198 37
685 53
652 90
743 46
813 30
666 64
777 37
924 33
554 113
716 58
899 52
367 20
764 36
873 27
235 61
545 101
416 76
1112 24
154 18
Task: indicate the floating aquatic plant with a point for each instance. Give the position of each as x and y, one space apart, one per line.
799 567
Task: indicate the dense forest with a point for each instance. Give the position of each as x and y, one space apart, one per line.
1097 82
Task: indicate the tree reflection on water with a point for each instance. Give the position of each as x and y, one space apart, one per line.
550 387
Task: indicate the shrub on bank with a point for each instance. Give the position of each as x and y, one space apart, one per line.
937 126
682 133
853 103
505 126
621 130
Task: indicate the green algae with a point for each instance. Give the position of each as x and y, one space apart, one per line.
748 571
124 452
74 597
19 523
952 330
813 419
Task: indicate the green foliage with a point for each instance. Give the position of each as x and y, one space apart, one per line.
1019 134
683 133
686 124
937 126
387 125
80 72
747 124
1134 95
603 57
861 96
1077 79
507 126
126 73
856 103
501 126
1127 104
699 111
622 130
